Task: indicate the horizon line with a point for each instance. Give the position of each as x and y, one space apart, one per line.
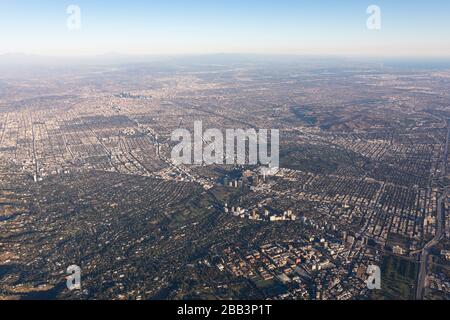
258 54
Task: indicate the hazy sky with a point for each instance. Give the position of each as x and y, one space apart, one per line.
335 27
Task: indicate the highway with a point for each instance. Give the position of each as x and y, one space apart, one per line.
423 258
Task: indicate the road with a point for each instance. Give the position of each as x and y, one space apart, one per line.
423 258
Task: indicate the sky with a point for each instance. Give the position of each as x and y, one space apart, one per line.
295 27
